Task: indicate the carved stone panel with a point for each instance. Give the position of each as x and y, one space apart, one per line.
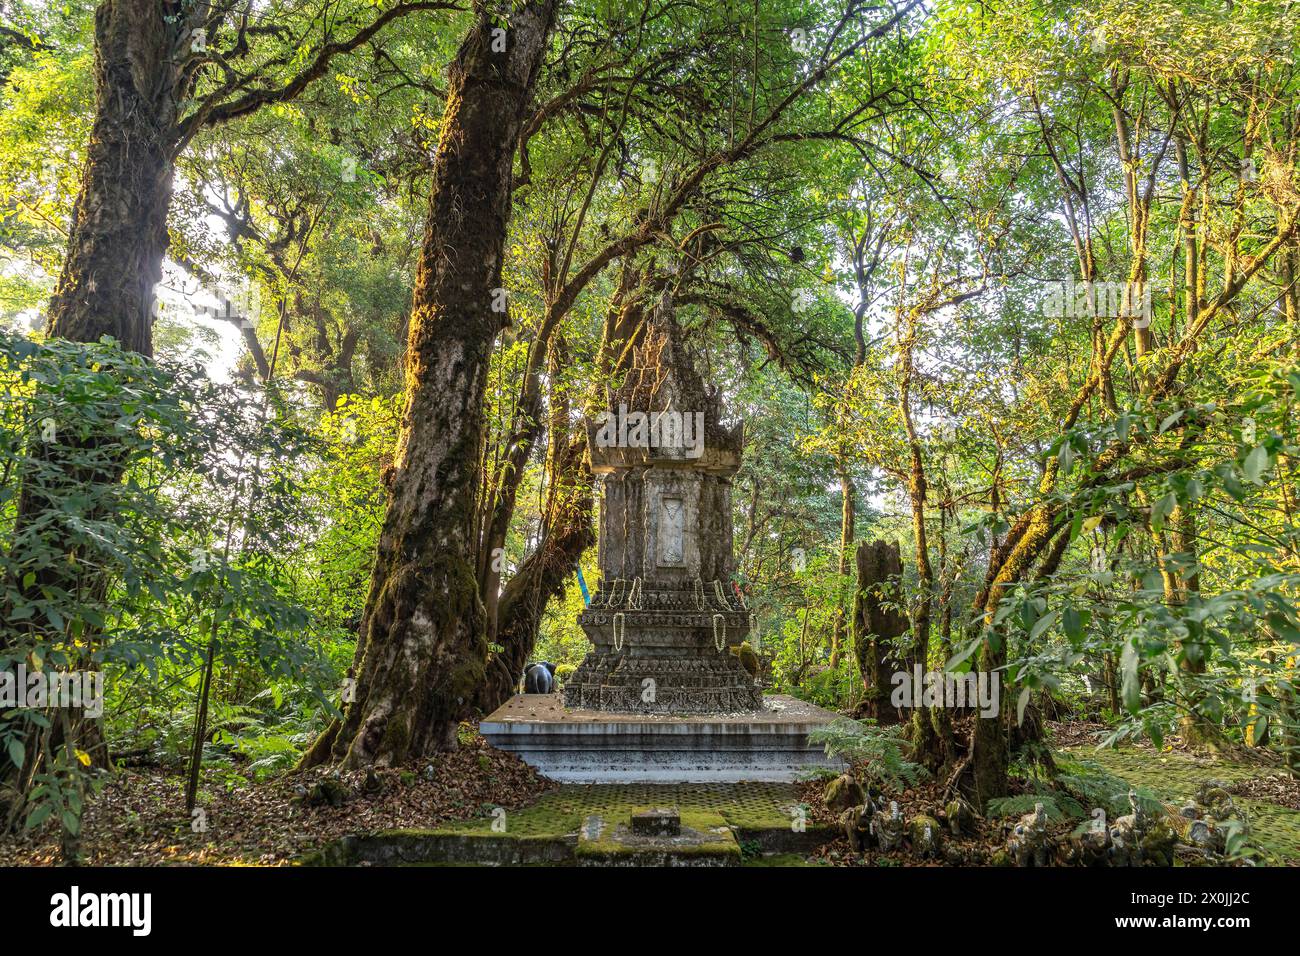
672 528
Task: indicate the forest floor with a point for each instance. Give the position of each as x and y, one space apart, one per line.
1173 775
1270 796
138 818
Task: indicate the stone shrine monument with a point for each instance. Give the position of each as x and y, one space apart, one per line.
666 615
661 698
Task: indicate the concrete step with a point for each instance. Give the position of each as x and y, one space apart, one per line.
585 746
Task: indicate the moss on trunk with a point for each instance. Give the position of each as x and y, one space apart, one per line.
424 627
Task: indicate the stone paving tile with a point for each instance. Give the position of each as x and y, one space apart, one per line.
747 806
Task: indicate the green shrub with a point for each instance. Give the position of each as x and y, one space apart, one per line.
881 751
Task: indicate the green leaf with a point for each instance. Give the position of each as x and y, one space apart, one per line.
1157 735
1072 623
40 813
1041 625
1259 727
1284 627
1122 425
1256 464
1021 703
957 659
1066 457
1234 487
16 752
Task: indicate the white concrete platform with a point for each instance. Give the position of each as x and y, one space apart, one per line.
589 746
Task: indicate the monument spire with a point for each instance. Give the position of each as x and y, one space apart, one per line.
665 617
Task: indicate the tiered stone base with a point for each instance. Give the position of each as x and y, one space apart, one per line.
767 744
663 650
662 685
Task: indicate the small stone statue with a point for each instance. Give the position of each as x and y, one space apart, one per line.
1123 845
1145 837
856 822
888 827
1156 846
956 856
329 791
1204 837
925 834
1215 802
1028 843
1211 792
1213 812
1124 836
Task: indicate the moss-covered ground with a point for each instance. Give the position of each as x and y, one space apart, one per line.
759 823
1175 776
747 807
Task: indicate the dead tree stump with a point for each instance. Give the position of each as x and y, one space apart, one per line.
878 618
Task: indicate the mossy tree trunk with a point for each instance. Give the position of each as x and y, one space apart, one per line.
848 521
567 527
924 739
148 55
424 653
116 242
118 234
545 574
990 743
877 619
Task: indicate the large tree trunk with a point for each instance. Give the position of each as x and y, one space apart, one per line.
544 574
116 243
118 234
423 629
990 744
1194 727
568 530
877 618
924 740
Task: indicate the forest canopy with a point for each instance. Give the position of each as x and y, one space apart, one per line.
306 307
